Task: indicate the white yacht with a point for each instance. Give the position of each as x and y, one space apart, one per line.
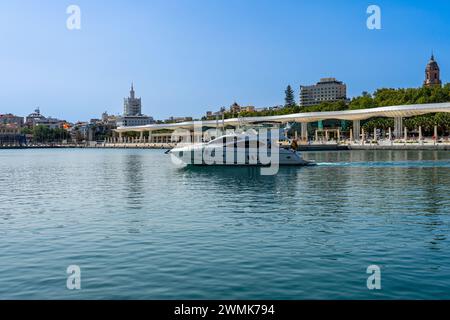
238 150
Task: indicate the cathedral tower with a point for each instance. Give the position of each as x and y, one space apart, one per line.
432 74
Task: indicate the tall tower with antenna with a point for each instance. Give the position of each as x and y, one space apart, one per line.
132 106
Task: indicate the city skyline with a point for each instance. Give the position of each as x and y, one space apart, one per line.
171 56
132 109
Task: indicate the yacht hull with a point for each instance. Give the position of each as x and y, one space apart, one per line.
198 157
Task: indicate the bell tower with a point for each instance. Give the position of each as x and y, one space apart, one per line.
432 73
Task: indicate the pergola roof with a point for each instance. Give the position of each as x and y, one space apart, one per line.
361 114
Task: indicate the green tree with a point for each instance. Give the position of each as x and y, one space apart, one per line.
289 100
26 130
380 98
44 134
362 102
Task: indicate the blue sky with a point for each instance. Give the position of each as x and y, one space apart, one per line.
189 56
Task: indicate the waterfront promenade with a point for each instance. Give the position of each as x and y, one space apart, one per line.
161 136
314 146
396 137
348 144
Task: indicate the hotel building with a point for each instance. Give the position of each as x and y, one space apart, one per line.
326 90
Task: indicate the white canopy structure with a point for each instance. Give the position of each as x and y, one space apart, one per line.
352 115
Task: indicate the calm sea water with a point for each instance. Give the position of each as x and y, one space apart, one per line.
140 228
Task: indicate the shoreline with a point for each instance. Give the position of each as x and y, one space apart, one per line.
302 148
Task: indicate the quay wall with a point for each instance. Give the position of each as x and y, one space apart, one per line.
301 147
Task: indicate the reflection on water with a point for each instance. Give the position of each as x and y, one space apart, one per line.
133 179
142 228
377 156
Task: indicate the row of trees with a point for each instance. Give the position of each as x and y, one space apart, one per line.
383 98
43 134
427 122
380 98
393 97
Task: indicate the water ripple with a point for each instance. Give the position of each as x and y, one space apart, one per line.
141 228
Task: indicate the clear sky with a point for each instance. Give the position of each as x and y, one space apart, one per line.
189 56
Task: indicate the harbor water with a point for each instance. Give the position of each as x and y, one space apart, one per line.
141 228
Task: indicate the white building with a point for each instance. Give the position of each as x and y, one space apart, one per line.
34 117
326 90
178 119
51 123
37 119
132 106
132 112
131 121
11 119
